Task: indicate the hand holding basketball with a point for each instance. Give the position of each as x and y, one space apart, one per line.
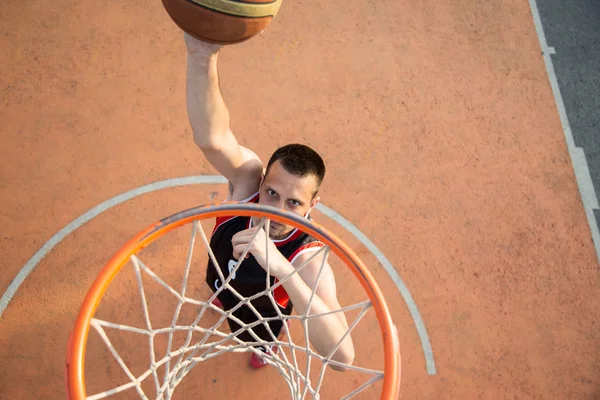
279 267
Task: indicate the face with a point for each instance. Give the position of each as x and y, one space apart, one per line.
286 191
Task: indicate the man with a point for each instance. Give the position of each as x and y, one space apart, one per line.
291 182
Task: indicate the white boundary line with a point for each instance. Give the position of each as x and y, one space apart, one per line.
215 179
582 172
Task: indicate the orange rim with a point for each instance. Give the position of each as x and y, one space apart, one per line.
77 341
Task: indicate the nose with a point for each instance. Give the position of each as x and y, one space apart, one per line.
278 203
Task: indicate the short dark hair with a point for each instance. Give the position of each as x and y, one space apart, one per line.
299 160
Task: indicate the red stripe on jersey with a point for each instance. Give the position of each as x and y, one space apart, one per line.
280 295
220 221
306 246
292 237
253 199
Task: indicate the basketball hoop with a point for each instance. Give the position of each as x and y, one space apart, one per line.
177 362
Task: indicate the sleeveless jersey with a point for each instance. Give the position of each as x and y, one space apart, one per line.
250 277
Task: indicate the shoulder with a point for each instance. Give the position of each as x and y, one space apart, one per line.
305 247
222 223
316 272
313 259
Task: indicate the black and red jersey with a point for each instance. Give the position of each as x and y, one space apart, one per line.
251 278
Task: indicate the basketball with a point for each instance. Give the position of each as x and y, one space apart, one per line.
222 21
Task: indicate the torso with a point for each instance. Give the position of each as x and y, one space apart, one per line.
250 278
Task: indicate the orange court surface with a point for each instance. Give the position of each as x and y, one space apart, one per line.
443 147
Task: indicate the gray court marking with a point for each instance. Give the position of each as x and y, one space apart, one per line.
580 165
215 179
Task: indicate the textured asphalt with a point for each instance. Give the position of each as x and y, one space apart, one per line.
573 29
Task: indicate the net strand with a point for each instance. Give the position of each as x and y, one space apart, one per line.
304 320
200 228
293 384
120 361
350 328
359 317
120 326
138 276
152 275
365 385
111 392
180 303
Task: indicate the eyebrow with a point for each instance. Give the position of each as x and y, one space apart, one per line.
296 200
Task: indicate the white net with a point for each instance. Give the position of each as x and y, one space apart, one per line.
302 368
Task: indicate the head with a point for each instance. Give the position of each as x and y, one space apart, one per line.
292 180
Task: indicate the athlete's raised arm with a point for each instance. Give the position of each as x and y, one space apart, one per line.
209 119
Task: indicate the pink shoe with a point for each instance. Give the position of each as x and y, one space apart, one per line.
257 361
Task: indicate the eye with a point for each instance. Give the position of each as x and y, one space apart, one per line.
272 193
294 203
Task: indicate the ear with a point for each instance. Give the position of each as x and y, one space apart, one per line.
315 201
313 204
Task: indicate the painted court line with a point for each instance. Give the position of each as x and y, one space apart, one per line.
580 165
214 179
